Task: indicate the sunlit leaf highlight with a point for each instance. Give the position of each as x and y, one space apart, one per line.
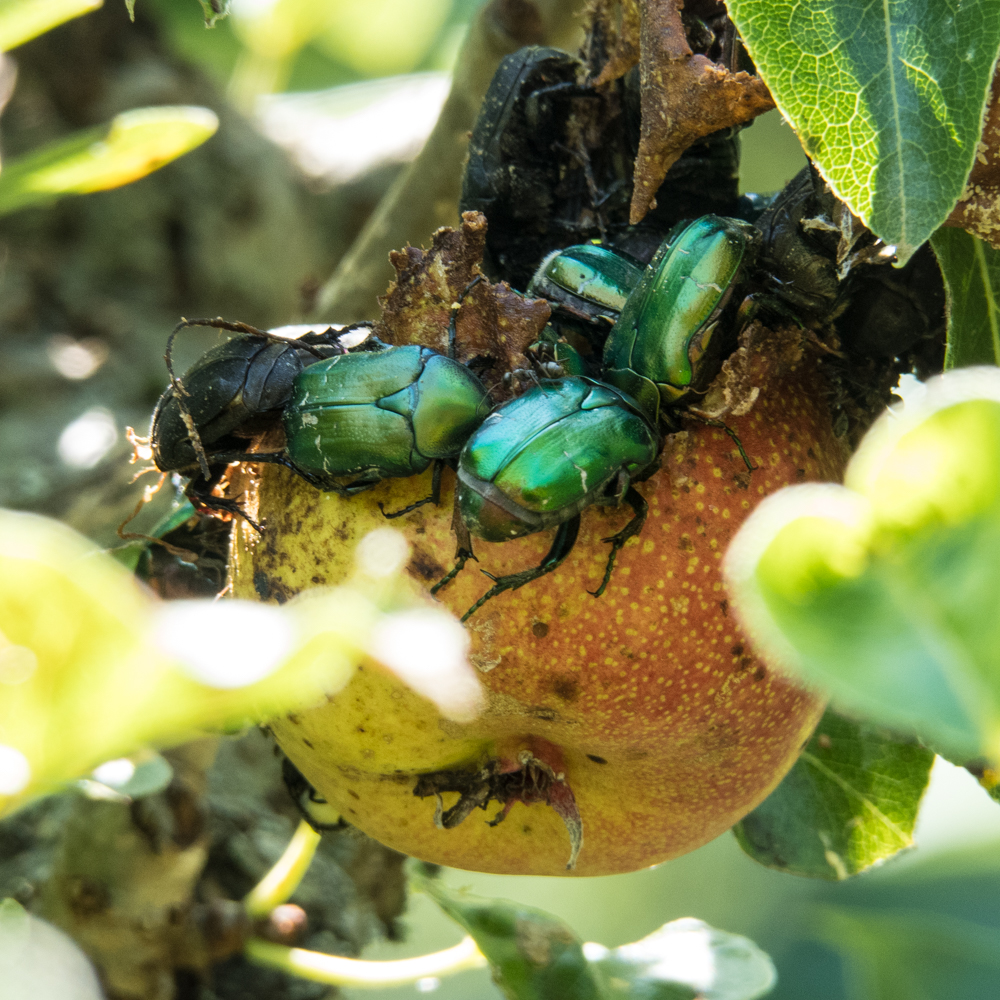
22 20
93 666
135 144
887 98
850 802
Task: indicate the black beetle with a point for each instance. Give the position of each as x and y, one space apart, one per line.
202 421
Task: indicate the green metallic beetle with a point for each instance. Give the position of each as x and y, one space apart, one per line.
672 334
381 414
587 281
538 461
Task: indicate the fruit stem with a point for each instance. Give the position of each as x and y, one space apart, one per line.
336 971
284 878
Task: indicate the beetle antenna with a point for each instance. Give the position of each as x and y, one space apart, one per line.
180 393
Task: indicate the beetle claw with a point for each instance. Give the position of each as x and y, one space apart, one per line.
618 540
562 545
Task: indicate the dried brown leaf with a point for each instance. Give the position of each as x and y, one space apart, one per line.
763 356
684 97
620 22
495 324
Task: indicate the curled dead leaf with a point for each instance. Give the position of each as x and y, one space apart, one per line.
684 96
762 357
495 323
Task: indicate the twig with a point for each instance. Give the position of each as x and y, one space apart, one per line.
283 879
425 196
337 971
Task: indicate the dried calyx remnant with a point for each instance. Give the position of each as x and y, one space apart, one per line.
526 779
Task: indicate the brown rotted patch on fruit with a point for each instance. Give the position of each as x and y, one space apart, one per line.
762 357
424 566
528 780
566 686
494 324
978 208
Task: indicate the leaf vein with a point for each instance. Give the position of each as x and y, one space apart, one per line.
854 793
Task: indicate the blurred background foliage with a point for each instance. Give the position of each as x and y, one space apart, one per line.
320 103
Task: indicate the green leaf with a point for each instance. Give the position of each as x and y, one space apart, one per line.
130 7
850 801
534 956
894 955
39 960
971 270
22 20
131 552
887 98
886 592
214 11
135 144
684 958
143 774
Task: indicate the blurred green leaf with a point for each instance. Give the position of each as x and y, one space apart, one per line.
971 270
534 956
383 37
850 801
135 144
887 592
22 20
130 7
136 777
886 98
131 552
214 11
898 955
684 958
40 961
92 666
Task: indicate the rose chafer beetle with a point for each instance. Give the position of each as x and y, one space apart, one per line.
382 414
672 335
539 460
588 282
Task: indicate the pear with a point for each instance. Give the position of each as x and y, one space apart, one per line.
618 732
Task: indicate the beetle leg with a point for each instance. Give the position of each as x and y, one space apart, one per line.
434 498
640 507
562 545
280 458
711 422
199 492
462 556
